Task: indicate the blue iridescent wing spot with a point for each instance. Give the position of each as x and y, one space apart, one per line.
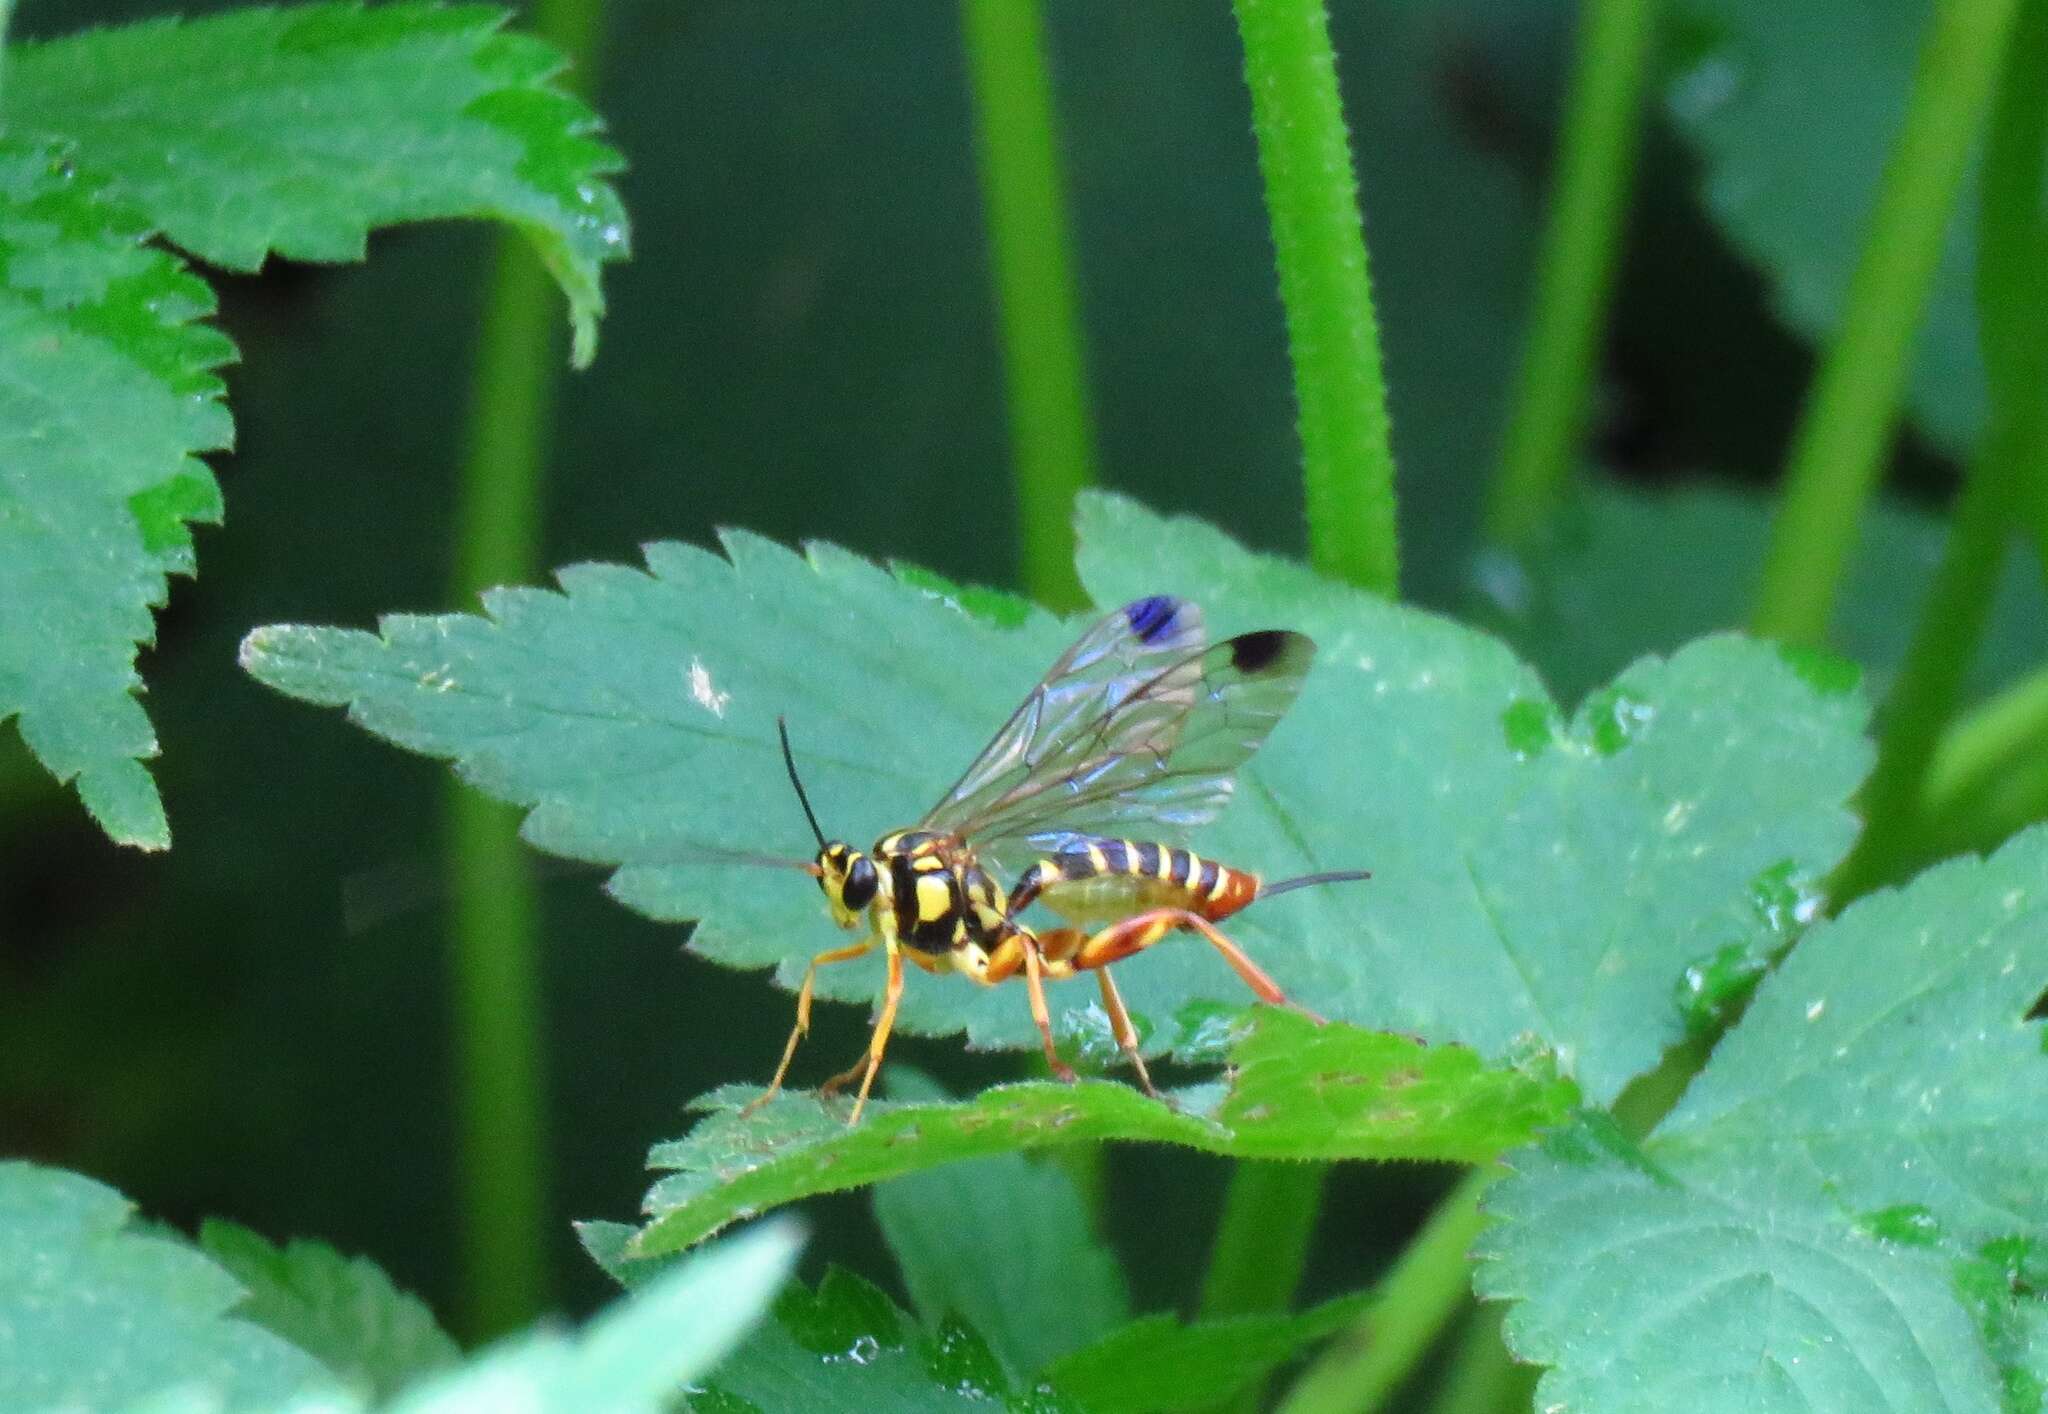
1152 618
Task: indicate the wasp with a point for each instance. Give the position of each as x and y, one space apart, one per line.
1142 722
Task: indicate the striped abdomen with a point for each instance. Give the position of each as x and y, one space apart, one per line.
1101 879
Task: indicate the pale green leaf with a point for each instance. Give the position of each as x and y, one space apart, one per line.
1535 877
1794 111
641 1353
107 397
1003 1244
342 1310
1537 881
96 1314
1849 1208
1294 1091
297 130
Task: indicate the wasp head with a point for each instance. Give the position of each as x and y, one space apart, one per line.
847 879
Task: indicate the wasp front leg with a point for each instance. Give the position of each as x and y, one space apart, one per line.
803 1015
870 1065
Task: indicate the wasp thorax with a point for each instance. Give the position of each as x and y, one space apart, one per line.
848 879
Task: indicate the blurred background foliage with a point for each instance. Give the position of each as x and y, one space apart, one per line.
805 344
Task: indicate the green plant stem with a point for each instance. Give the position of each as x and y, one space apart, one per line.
1989 775
1419 1297
2012 268
1853 406
1481 1375
2012 291
1262 1244
1326 289
495 930
1925 694
1575 267
1052 448
1269 1215
494 908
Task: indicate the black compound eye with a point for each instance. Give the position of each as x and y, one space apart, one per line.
860 883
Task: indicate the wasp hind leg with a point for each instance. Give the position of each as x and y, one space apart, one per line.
803 1016
870 1065
1126 1034
1140 931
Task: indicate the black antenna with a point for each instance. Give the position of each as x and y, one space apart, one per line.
1335 876
789 760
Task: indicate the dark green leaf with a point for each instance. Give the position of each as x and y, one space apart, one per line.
1296 1091
847 1348
298 130
109 396
1848 1210
341 1310
96 1314
1794 114
1157 1363
1628 572
1002 1244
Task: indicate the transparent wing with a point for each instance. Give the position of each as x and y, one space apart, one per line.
1155 757
1116 664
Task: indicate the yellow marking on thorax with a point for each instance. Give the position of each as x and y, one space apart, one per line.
934 897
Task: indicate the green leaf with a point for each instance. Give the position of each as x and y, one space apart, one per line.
1296 1091
846 1347
108 397
1793 116
1157 1363
95 1313
635 1356
1626 572
297 130
1849 1208
342 1310
1537 882
1003 1244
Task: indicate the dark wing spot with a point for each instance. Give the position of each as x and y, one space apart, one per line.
1259 651
1151 619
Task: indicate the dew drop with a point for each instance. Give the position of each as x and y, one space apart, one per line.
864 1350
1616 718
1714 987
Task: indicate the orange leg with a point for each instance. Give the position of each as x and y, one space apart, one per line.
870 1065
1120 1025
1134 934
803 1015
1022 948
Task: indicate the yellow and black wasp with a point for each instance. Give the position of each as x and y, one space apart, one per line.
1141 722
